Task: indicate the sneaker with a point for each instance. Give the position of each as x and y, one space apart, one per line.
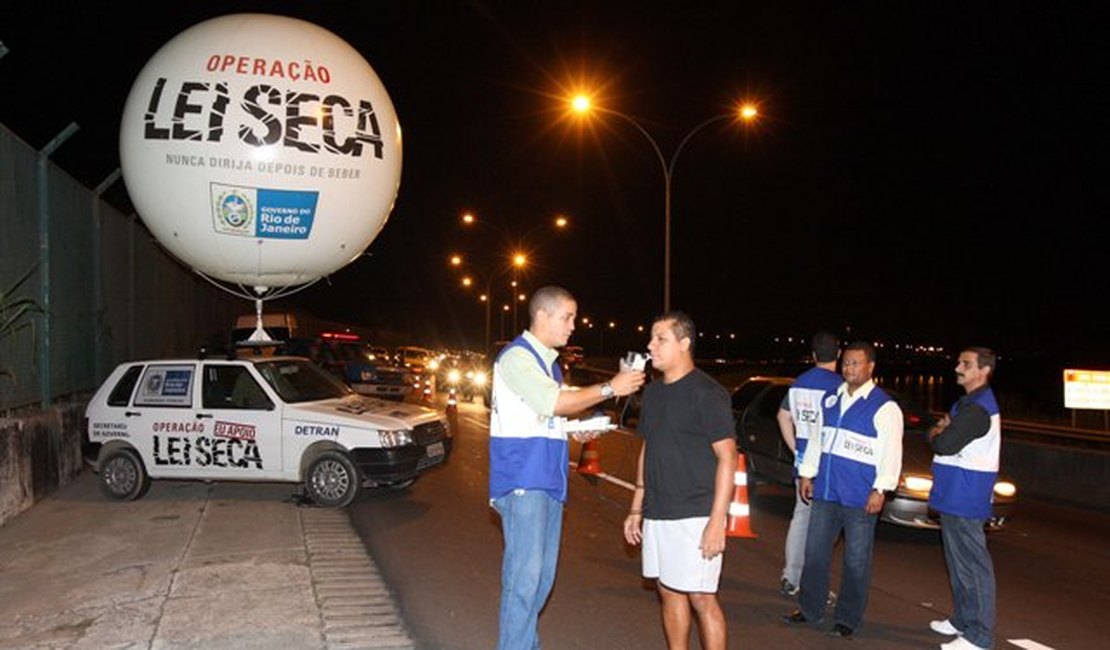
960 643
788 589
944 627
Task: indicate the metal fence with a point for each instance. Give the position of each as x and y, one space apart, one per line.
98 290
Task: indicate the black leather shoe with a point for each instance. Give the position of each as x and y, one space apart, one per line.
841 630
795 617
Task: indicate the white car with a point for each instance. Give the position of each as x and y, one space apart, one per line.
263 419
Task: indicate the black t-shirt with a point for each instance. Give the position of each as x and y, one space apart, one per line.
679 423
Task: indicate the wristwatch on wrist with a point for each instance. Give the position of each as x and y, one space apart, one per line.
606 390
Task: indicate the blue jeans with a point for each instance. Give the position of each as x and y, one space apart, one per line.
532 523
826 520
971 573
796 540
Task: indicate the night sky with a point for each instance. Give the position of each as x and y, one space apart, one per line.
923 172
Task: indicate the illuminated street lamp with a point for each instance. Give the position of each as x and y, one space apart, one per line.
518 260
504 310
746 113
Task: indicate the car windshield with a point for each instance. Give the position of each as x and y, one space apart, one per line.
297 380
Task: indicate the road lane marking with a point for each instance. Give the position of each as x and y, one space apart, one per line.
1028 644
609 477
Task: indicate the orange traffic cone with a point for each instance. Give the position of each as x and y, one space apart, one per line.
590 460
739 519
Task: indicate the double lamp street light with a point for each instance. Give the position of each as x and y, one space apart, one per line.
745 113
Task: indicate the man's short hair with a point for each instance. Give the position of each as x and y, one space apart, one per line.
683 326
866 347
548 299
985 357
825 346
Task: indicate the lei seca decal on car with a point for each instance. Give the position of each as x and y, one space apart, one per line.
206 452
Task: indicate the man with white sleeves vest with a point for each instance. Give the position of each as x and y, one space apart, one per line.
967 444
799 420
847 475
529 460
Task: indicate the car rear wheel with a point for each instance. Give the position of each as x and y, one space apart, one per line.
122 476
332 480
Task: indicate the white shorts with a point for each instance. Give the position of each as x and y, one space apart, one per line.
671 555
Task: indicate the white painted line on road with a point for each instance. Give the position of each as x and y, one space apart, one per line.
1029 645
612 479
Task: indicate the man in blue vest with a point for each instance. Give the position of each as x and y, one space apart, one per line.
799 419
528 458
846 476
967 444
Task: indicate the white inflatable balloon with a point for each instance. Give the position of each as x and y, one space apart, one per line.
261 150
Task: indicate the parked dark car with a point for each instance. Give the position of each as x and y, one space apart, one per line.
755 405
354 362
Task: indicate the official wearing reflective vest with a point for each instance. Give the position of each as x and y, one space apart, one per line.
528 451
967 443
963 482
849 454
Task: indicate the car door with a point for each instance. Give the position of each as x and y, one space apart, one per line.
160 419
742 398
778 460
242 425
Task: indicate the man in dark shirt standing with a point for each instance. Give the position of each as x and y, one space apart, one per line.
684 482
967 443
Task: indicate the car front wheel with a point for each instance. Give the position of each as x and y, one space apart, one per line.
332 480
122 476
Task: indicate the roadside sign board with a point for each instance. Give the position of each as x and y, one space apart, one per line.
1086 389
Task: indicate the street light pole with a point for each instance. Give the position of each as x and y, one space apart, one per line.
518 262
668 174
746 112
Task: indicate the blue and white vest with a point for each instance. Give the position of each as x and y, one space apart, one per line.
805 397
963 483
527 451
849 453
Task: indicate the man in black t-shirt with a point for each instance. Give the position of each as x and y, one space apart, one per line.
684 483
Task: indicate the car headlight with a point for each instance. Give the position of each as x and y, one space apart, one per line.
433 364
917 483
1005 489
398 438
479 379
453 376
367 375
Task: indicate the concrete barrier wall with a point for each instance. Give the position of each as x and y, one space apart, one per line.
1079 477
38 454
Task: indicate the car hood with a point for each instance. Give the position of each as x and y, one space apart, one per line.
358 411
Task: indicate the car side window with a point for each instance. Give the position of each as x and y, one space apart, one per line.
166 385
772 401
121 392
233 387
744 395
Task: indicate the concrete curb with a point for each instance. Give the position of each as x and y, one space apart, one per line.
356 607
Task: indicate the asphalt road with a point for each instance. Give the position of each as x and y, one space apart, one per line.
439 546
